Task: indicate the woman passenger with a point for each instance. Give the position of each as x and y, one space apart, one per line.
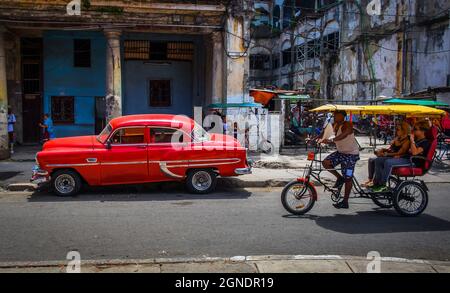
398 149
419 147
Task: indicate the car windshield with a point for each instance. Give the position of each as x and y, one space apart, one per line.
199 134
103 136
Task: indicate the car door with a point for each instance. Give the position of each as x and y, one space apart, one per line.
126 160
168 153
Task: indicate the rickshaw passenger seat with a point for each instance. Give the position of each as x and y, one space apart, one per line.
431 135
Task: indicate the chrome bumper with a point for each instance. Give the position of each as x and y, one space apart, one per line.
243 171
39 176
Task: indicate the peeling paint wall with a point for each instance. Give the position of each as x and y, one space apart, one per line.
375 56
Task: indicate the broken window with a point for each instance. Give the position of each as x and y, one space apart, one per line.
276 17
82 53
262 15
259 61
63 109
275 61
286 56
288 14
300 49
331 42
313 49
159 93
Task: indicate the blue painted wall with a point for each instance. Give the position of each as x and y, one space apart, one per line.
187 78
61 78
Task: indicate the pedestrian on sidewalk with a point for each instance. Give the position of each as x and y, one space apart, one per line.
47 128
11 122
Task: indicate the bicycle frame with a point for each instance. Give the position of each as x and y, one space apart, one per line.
316 168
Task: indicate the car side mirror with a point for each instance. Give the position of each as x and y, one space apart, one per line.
108 144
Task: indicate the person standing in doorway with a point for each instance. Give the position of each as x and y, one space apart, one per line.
47 128
11 122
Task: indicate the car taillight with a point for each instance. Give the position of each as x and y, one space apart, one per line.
311 156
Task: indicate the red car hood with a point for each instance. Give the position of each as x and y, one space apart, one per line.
70 142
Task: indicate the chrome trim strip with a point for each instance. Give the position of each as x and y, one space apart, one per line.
165 171
125 163
72 165
232 161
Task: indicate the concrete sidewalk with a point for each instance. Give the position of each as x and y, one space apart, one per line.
237 264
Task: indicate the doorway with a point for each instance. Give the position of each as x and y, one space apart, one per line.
31 56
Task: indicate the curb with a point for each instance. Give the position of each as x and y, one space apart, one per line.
227 182
226 260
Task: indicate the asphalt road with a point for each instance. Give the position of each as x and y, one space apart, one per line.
118 223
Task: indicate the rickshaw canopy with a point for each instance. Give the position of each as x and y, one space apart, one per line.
404 110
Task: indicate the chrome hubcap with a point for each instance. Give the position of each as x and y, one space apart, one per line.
201 180
64 184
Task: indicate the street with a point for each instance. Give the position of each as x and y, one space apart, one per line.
150 222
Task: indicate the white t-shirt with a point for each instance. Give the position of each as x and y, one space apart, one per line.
11 121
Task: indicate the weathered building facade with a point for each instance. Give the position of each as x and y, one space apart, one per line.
344 51
85 62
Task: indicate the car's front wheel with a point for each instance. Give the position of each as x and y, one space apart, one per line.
66 183
201 181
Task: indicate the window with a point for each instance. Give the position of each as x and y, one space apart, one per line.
82 53
313 49
259 61
158 51
159 93
63 110
136 50
275 61
180 51
300 49
165 135
331 42
131 135
286 56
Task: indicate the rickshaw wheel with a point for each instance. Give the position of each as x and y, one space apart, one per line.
298 198
385 202
410 199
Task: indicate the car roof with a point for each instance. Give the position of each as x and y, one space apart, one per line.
162 120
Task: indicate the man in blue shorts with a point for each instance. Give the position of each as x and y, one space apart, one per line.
347 155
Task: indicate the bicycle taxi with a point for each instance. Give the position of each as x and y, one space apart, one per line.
408 193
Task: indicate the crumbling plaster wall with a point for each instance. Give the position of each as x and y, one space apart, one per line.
432 44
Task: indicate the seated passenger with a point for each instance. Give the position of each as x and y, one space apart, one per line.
419 146
399 148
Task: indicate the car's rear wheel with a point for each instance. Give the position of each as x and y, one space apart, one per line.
66 183
201 181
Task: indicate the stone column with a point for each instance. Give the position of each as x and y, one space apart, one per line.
237 43
4 147
113 96
217 67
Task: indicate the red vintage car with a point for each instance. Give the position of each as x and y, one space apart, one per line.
138 149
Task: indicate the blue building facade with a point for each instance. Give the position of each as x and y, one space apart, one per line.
84 85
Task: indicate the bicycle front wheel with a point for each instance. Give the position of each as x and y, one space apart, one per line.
298 197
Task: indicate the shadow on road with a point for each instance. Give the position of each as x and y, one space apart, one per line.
167 191
377 221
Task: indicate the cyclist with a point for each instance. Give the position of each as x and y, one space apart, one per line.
347 155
